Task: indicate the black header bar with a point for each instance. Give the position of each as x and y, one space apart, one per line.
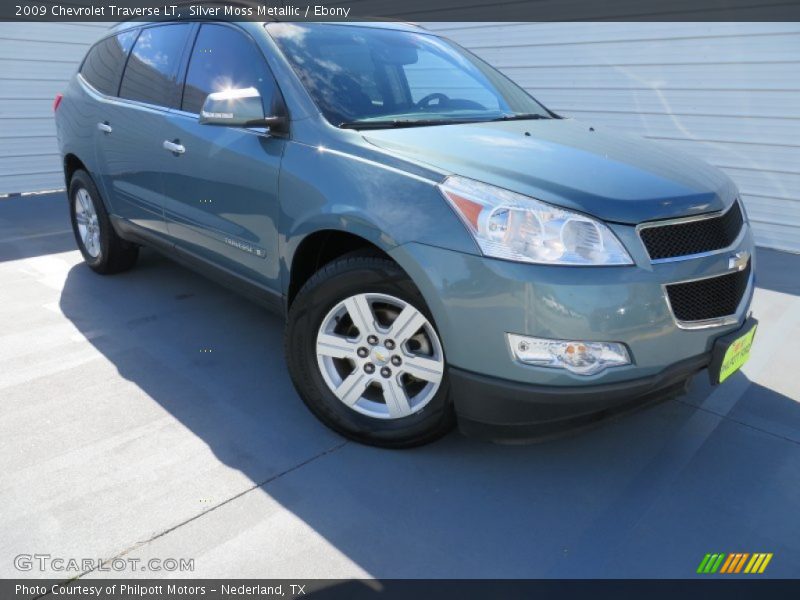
707 588
402 10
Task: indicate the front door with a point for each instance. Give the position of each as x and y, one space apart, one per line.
221 183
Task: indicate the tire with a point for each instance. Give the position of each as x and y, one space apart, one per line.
102 249
396 409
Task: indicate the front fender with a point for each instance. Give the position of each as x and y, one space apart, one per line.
325 189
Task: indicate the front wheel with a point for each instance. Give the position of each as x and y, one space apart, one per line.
365 356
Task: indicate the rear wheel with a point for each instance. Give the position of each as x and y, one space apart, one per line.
365 356
103 250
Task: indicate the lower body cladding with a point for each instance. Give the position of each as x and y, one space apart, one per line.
477 301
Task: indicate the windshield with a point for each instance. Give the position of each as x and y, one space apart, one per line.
373 77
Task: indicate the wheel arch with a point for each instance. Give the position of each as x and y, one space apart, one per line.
321 247
71 164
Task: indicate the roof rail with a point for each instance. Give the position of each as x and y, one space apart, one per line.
391 20
182 3
256 4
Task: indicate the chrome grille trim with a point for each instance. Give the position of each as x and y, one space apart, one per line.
722 321
691 219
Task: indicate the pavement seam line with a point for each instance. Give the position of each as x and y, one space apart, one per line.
160 534
738 422
34 236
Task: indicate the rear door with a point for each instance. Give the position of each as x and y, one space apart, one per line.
131 129
100 74
221 190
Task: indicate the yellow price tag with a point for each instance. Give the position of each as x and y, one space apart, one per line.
736 355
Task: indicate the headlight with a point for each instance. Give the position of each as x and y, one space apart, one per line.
515 227
581 358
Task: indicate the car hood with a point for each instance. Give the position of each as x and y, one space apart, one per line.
614 177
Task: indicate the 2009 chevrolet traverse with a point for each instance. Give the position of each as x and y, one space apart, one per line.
445 248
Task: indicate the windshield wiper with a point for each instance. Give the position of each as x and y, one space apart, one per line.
397 123
522 117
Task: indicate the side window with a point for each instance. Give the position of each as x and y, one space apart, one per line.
225 58
153 64
357 70
105 61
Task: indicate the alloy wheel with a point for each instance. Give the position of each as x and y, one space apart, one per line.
87 222
380 356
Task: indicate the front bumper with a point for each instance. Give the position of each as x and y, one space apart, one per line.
495 409
476 300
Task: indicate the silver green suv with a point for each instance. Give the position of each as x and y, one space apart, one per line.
445 249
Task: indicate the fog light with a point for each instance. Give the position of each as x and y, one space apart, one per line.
581 358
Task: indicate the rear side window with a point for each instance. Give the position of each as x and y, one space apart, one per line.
224 58
105 61
153 64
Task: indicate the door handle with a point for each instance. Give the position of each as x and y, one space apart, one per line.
104 127
173 147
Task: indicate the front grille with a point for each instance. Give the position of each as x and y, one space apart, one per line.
708 298
693 237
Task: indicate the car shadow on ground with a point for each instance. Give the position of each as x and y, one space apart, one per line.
33 226
645 495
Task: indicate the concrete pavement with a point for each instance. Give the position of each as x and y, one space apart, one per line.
150 415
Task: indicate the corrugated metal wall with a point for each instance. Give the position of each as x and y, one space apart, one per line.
728 93
36 60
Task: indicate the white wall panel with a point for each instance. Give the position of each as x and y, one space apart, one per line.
36 61
728 93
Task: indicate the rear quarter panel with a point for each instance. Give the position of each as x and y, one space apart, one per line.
75 126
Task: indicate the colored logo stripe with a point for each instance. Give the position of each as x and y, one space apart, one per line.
703 563
735 562
710 563
758 563
728 563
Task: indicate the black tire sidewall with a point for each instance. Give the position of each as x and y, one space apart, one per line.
337 281
81 180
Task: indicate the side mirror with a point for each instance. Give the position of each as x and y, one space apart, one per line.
238 108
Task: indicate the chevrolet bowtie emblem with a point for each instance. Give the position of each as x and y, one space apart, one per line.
739 261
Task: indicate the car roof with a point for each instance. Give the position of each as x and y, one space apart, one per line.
376 24
379 24
253 5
